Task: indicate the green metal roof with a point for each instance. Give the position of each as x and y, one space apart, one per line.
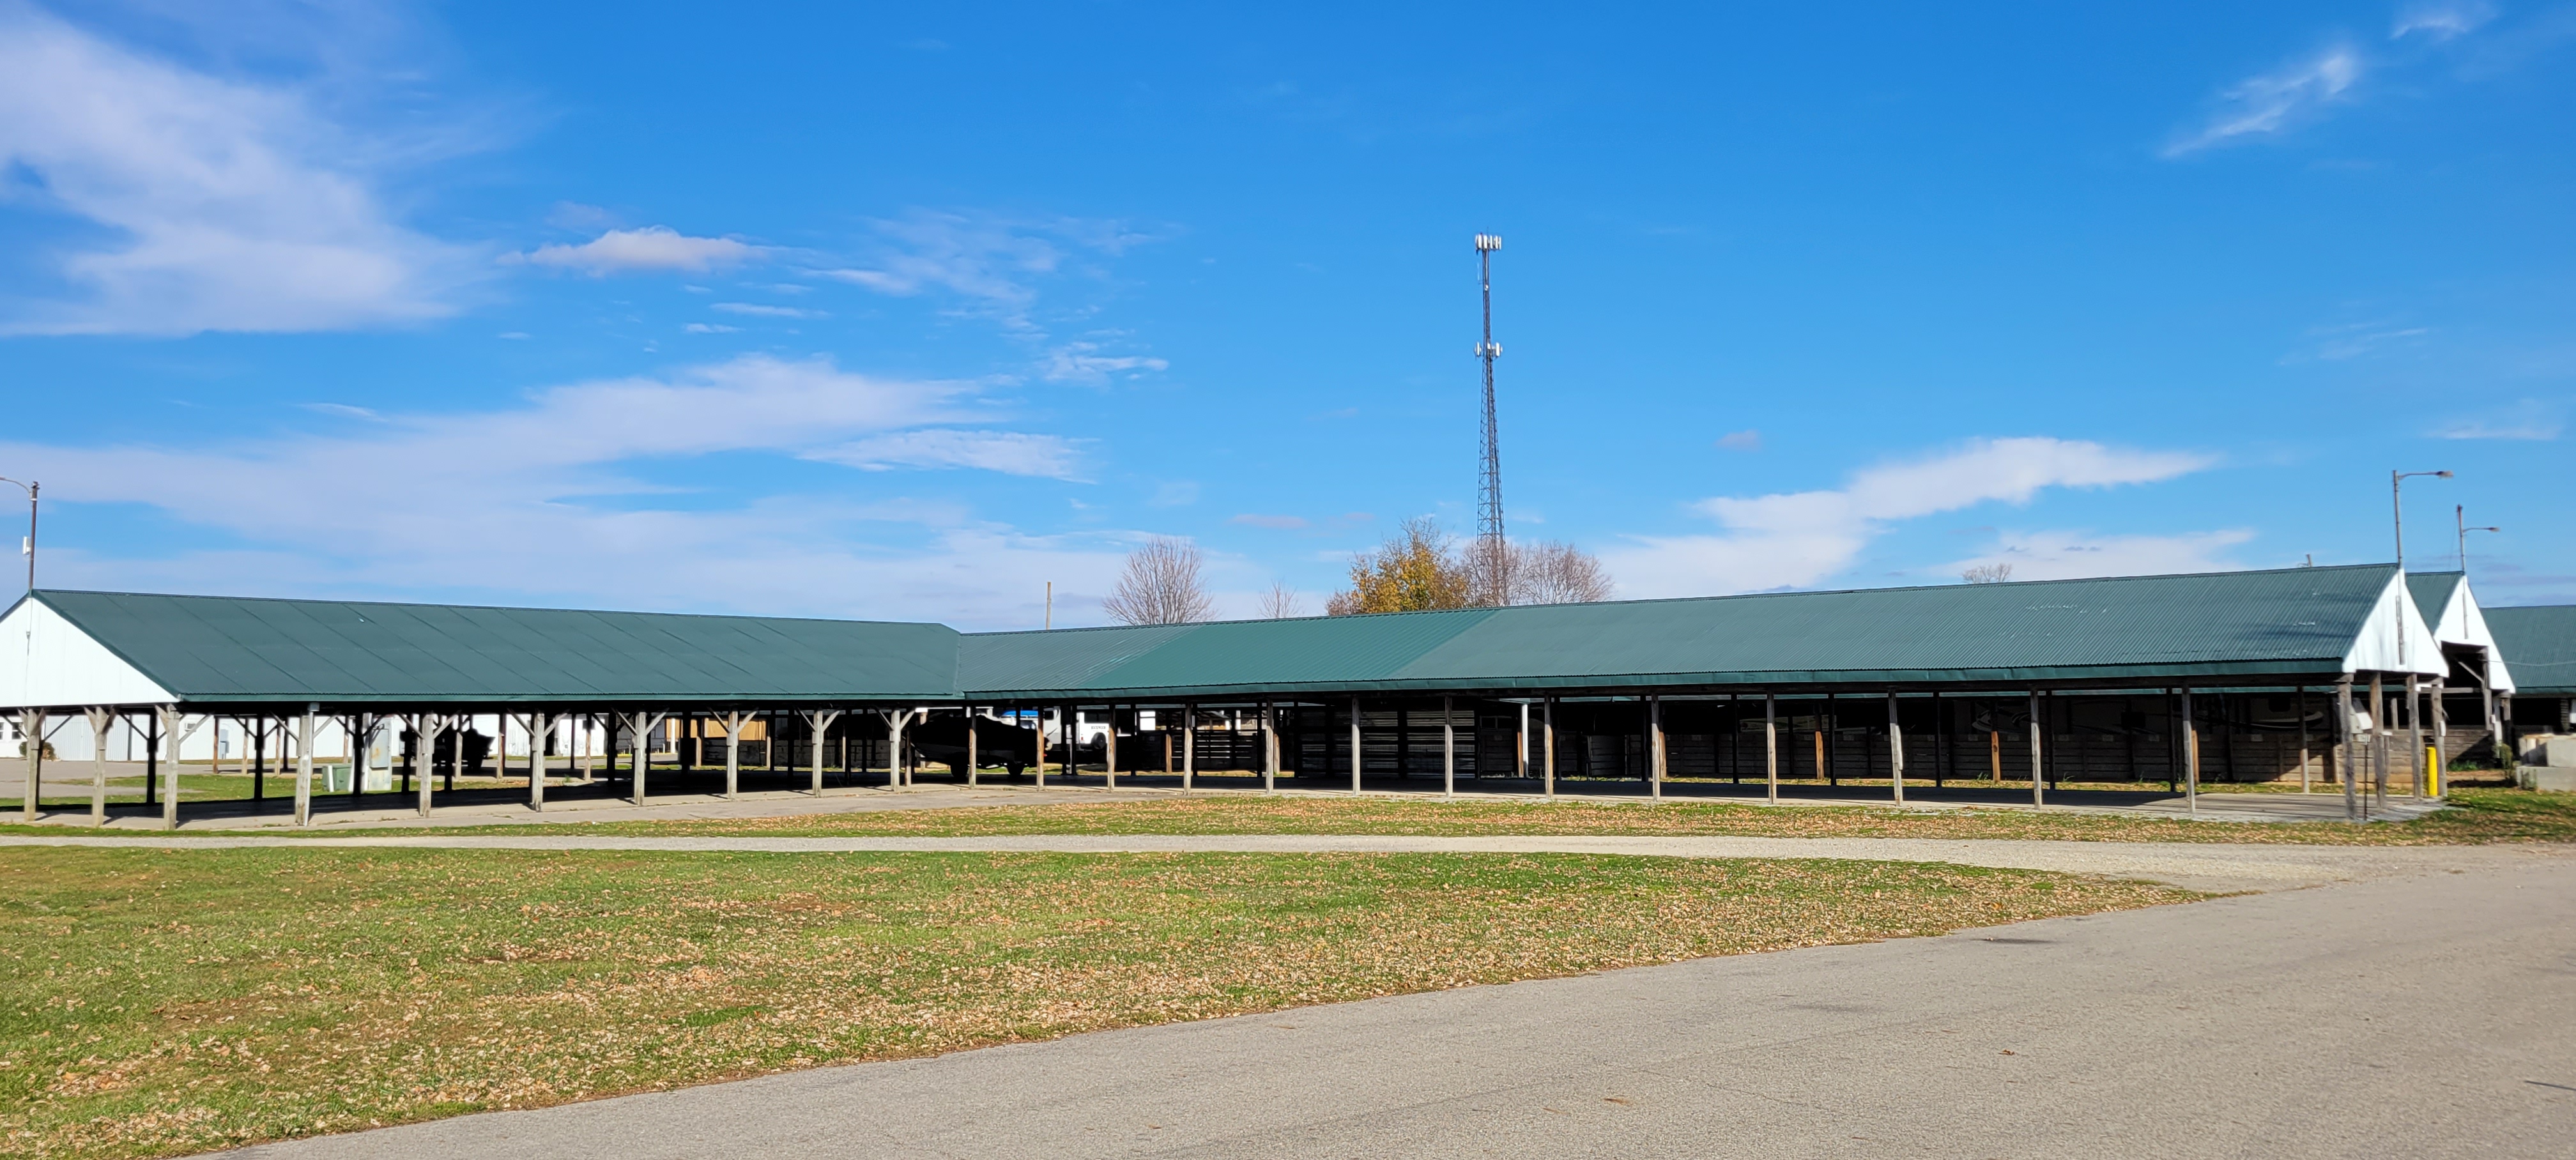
2150 630
215 649
2539 646
2432 592
2294 620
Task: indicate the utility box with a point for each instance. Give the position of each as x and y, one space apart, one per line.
2555 749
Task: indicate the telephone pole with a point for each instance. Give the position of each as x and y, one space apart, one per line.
1489 483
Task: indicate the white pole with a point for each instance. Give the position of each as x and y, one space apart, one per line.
1448 750
2038 779
2190 757
304 767
1895 749
1771 742
1190 748
1356 759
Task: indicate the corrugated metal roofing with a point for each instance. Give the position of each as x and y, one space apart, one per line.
2291 620
2147 630
2432 592
217 649
2539 647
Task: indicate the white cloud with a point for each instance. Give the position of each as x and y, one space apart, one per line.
2273 102
2357 340
2530 419
636 251
1008 452
1745 440
219 204
759 310
2441 21
1798 538
1080 362
990 259
558 501
2065 555
709 328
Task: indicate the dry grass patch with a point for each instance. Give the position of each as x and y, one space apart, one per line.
159 1002
2477 816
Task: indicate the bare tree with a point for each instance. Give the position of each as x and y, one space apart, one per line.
1554 572
1281 601
1987 574
1536 572
1160 586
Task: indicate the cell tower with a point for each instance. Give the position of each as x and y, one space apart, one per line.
1489 482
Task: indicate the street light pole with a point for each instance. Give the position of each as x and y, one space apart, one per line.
2397 521
31 488
2460 516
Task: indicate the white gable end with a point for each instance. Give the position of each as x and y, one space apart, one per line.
2394 627
47 661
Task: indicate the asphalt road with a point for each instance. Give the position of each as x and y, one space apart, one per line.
2419 1015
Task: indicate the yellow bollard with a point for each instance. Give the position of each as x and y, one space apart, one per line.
2432 771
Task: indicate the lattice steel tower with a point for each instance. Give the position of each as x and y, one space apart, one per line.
1489 483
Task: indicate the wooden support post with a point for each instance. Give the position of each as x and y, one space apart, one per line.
425 729
732 724
1520 747
170 719
1037 731
1448 749
2437 756
2378 748
1358 758
1825 723
896 774
1655 745
820 721
2414 739
973 778
2303 738
1269 746
2190 756
31 745
1109 748
2338 748
2038 770
1547 742
1771 743
304 766
100 718
1895 751
541 724
1995 755
1190 744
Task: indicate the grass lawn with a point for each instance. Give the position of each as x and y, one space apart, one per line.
155 1002
2476 816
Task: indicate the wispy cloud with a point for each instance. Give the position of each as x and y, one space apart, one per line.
2531 420
1008 452
1257 520
2065 555
226 204
760 310
1799 538
2441 21
2270 103
1081 362
387 509
1746 440
650 249
2354 340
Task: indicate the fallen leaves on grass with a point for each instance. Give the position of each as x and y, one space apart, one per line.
326 990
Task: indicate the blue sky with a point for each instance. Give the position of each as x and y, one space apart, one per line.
907 313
